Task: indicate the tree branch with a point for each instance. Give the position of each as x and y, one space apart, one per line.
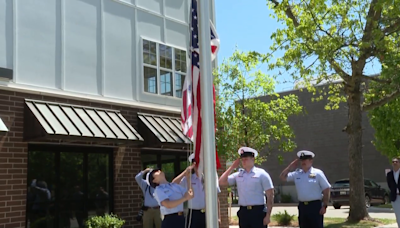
374 15
382 101
288 12
388 81
339 70
392 28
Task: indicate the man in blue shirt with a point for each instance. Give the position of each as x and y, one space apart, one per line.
312 186
151 209
253 184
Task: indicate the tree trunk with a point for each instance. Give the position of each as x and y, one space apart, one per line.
358 210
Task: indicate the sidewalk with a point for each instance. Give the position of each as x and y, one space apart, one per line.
394 225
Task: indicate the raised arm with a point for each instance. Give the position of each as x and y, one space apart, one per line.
139 179
223 180
286 171
178 179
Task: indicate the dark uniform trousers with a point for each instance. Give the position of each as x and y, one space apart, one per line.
251 216
196 219
309 216
176 220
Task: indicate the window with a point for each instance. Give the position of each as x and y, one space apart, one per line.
66 185
164 69
367 183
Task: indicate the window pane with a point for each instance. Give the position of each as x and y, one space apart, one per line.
180 60
72 188
146 46
150 80
149 52
98 186
165 56
150 59
41 189
179 80
166 83
153 49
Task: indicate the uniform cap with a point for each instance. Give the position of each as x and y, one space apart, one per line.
305 154
247 152
191 158
150 178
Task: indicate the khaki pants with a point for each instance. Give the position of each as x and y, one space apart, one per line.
151 216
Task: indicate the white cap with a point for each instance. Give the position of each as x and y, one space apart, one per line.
248 150
303 153
148 177
191 157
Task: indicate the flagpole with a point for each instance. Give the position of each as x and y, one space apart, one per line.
207 113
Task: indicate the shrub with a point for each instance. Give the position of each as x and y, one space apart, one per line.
283 219
106 221
286 198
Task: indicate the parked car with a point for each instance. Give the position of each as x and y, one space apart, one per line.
374 193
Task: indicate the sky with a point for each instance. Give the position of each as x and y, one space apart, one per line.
247 25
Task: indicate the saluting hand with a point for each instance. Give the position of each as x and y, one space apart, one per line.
189 194
293 165
236 163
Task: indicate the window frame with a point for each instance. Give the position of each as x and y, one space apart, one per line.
85 150
158 68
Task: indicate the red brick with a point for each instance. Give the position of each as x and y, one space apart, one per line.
13 225
4 209
14 192
13 171
13 214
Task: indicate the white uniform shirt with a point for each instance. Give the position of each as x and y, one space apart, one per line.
309 185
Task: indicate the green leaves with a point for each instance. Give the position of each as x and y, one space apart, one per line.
324 41
245 117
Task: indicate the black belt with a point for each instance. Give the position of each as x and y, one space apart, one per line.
158 207
309 202
252 207
178 213
198 210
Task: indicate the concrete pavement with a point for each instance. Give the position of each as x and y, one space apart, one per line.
382 213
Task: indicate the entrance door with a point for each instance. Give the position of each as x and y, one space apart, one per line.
66 185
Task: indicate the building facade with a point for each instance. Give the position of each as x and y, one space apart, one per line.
320 131
90 94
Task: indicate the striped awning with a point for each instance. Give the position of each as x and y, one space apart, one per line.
80 121
165 128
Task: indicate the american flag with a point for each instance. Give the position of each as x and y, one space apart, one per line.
191 99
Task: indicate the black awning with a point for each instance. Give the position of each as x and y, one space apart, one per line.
161 129
46 119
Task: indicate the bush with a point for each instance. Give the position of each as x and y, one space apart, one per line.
283 219
106 221
286 198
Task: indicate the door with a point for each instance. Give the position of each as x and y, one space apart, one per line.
379 192
69 184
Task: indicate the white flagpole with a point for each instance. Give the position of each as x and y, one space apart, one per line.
207 113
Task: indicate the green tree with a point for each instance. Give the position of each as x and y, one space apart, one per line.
323 40
385 118
244 119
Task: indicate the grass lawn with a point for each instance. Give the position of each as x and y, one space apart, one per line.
389 205
332 223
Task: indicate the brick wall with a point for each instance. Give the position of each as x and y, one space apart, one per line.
320 131
13 164
223 198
